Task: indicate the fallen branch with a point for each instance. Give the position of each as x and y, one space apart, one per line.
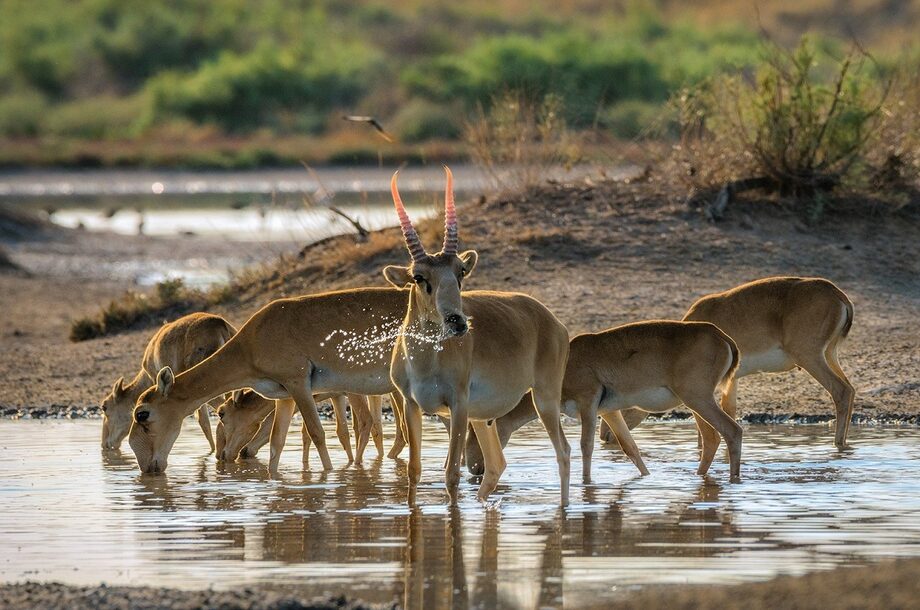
362 232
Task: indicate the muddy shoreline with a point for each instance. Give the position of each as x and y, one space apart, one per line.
55 412
887 584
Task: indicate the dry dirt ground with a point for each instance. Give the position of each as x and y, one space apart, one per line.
887 585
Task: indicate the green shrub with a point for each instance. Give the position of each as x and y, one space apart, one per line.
95 118
585 72
632 118
799 132
136 38
21 114
420 120
242 92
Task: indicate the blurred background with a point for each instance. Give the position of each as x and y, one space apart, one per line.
236 84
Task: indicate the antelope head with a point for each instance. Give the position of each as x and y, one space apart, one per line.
435 280
240 417
116 415
157 422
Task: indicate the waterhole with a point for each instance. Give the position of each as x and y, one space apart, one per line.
74 514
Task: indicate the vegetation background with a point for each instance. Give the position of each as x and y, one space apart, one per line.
231 83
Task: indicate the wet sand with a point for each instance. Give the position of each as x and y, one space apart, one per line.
890 585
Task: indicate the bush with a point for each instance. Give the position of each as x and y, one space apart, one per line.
894 147
171 298
95 118
587 73
242 92
419 120
792 130
137 39
632 118
520 141
21 114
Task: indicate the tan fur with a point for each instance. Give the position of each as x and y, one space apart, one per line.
655 366
286 350
245 425
779 323
471 358
180 345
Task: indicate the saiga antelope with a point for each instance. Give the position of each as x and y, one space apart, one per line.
333 342
442 366
180 345
779 323
245 424
655 366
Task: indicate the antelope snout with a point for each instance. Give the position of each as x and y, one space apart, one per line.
455 325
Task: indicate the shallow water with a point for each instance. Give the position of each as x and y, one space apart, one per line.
71 513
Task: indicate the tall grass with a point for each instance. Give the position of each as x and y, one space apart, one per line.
521 141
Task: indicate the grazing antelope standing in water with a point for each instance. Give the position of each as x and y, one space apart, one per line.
779 323
655 366
443 366
245 424
180 345
290 349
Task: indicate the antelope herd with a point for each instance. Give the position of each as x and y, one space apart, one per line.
485 362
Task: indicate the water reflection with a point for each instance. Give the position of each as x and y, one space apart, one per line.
801 507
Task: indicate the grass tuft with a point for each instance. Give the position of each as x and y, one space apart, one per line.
132 310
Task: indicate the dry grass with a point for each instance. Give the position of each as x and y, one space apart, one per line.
170 299
519 142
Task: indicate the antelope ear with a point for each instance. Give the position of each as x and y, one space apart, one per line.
165 380
119 387
236 396
396 275
469 259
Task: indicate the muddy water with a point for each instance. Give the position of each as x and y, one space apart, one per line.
71 513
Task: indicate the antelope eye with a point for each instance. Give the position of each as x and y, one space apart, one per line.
220 414
104 408
418 279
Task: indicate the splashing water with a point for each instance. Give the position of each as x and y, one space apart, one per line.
375 343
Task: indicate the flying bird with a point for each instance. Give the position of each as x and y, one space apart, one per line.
370 121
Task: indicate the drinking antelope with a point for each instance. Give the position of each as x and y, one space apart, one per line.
655 366
333 342
245 424
443 366
180 345
779 323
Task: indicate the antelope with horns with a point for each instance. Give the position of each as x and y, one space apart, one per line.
180 345
245 424
292 348
655 366
471 357
779 323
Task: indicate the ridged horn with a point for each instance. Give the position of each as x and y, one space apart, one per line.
450 215
413 243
